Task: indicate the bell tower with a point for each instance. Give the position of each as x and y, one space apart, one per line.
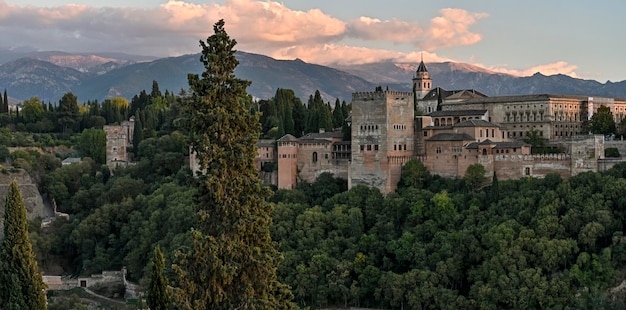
422 83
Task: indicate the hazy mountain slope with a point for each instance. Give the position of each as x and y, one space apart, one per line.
27 77
463 76
170 73
113 74
84 62
266 74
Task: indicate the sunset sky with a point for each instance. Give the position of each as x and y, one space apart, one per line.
579 38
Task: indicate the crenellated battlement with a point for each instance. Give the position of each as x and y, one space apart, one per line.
371 95
379 95
399 93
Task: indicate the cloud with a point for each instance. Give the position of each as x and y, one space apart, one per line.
449 29
172 28
452 29
394 30
333 54
266 27
559 67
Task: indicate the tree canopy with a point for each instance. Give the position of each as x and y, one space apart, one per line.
602 121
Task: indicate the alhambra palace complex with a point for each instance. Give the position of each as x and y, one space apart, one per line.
446 130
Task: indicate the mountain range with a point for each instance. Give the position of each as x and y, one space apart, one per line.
97 76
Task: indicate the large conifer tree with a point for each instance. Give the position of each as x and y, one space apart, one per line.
232 263
21 284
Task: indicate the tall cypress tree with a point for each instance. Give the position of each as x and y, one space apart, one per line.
338 117
158 296
21 284
137 132
299 117
5 106
232 263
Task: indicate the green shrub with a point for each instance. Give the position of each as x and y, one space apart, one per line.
611 152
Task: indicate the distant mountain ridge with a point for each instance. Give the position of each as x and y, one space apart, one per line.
49 75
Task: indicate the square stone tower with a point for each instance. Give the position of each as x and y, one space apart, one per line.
382 138
119 139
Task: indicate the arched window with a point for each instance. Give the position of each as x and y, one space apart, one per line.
314 157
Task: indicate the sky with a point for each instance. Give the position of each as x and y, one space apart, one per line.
581 39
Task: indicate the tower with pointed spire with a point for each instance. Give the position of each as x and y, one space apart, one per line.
422 83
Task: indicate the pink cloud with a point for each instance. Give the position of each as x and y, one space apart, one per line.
265 27
452 29
171 28
332 54
449 29
256 22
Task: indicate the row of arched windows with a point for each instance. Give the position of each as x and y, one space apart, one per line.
533 116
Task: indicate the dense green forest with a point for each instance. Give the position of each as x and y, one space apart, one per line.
435 243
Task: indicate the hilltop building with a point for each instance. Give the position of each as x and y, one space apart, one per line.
447 131
455 129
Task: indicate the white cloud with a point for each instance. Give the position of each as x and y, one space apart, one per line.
394 30
559 67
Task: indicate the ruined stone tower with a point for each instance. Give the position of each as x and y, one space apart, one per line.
119 139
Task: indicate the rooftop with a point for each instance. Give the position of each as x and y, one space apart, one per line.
498 145
476 123
458 113
323 135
